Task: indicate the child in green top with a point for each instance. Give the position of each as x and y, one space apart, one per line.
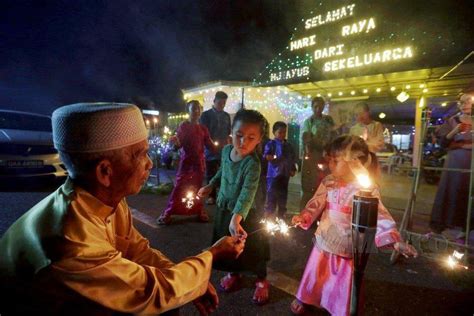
239 176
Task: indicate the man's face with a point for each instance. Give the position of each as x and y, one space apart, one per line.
131 171
317 107
219 104
362 116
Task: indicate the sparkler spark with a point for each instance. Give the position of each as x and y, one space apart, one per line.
274 156
189 199
320 166
453 261
273 227
216 143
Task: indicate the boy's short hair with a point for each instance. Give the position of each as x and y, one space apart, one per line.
319 100
190 104
277 125
361 107
220 95
250 117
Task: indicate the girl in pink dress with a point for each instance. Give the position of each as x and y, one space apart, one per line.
191 137
327 279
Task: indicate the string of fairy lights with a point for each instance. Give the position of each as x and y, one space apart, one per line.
294 106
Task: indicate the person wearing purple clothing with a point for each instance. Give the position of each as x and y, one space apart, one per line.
281 166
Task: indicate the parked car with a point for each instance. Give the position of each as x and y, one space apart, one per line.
26 147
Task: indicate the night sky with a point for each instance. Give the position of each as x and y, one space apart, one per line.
60 52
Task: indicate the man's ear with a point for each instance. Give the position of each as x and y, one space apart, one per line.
103 172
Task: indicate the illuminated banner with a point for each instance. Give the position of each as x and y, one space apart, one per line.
338 39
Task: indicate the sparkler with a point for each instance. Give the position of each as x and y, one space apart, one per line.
274 156
189 199
273 227
453 261
216 143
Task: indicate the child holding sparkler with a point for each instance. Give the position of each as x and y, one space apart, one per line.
239 177
327 279
281 166
191 137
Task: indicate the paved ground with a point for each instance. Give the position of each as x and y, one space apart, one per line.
421 286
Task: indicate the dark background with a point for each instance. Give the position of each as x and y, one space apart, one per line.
59 52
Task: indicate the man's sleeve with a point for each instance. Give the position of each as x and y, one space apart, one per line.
229 127
306 127
376 143
203 119
117 283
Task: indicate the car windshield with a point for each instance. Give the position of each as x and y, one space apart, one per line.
22 121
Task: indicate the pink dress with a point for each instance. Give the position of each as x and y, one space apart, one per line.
193 138
327 279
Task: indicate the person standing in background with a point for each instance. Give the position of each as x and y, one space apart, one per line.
369 130
451 201
317 133
217 122
281 166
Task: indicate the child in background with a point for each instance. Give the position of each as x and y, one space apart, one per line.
239 177
191 137
281 166
327 279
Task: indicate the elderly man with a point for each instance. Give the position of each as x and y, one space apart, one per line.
77 250
371 131
217 122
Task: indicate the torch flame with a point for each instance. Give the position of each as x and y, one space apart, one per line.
364 180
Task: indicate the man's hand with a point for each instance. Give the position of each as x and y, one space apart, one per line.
205 191
227 248
207 303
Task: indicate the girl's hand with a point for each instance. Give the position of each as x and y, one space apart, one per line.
301 221
205 191
298 220
405 249
235 229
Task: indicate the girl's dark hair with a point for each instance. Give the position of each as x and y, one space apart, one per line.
190 103
250 117
277 125
341 144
